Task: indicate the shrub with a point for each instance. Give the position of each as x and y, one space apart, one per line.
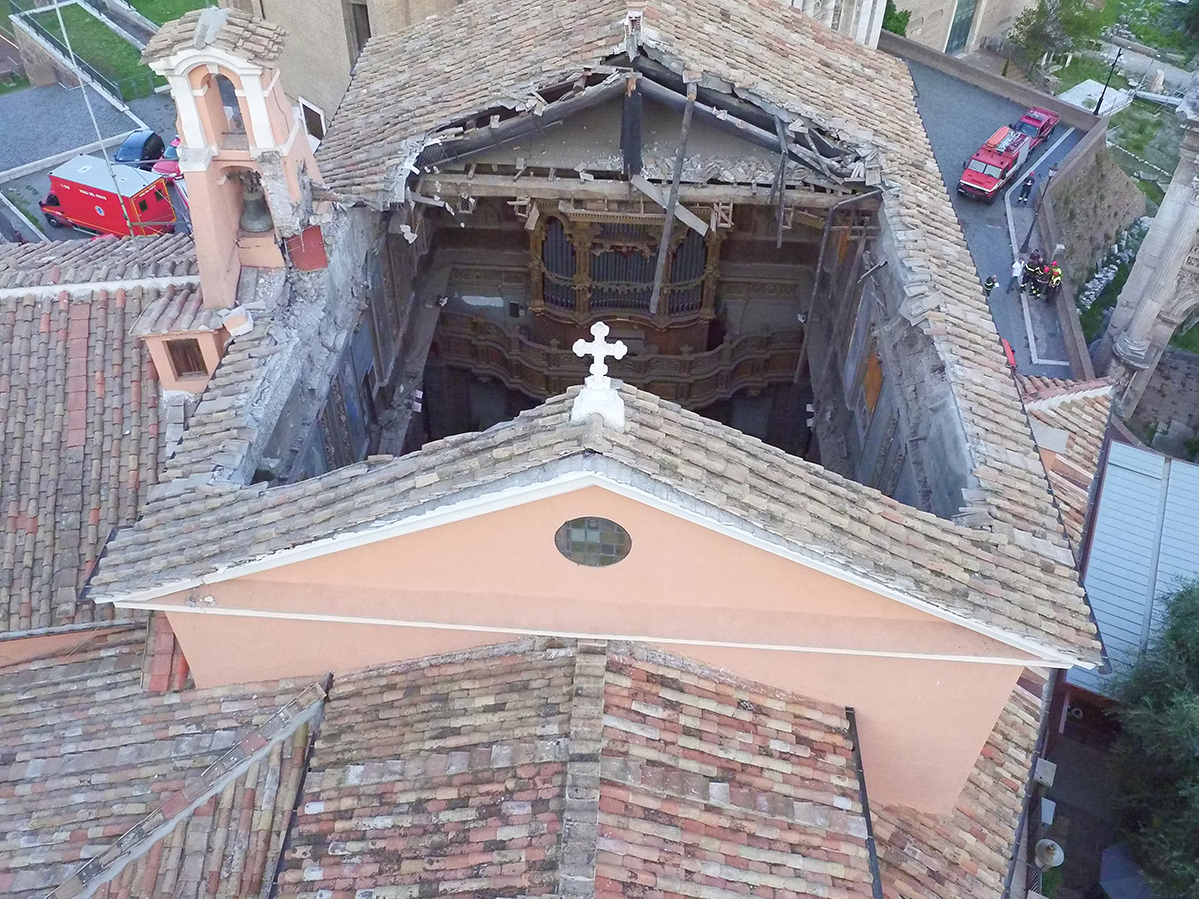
1156 758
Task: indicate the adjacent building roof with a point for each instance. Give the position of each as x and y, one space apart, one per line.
977 576
968 852
231 30
79 440
501 771
1144 545
176 311
478 57
1069 419
504 772
86 758
101 260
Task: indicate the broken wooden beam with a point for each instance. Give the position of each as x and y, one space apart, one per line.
672 202
630 129
733 125
453 184
681 212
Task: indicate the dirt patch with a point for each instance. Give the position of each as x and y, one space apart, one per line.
1097 202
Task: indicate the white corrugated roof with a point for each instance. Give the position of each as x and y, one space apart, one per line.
1145 544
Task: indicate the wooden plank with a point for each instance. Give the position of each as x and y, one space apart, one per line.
455 184
673 201
681 212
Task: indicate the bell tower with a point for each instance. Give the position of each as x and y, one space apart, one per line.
243 152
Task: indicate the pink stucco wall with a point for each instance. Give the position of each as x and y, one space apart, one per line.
923 721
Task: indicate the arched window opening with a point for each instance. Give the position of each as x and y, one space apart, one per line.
223 110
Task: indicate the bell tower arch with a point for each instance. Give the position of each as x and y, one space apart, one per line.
243 152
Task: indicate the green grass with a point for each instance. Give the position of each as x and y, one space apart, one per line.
1082 68
1137 125
31 211
1186 340
162 11
5 23
1092 319
13 83
1157 23
103 49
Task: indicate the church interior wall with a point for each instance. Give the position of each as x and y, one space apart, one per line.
501 570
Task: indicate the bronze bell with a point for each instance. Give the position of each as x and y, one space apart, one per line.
255 216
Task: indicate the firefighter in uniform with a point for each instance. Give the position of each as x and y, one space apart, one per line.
1030 269
1041 281
989 285
1055 280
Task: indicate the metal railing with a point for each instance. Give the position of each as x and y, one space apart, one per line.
124 89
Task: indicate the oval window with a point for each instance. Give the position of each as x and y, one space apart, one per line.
593 541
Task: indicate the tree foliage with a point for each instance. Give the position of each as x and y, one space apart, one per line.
1191 16
1157 755
1056 25
895 20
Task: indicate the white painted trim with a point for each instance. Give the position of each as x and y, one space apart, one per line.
557 486
263 137
87 289
580 635
301 103
189 115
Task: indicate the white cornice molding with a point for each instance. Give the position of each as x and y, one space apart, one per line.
570 482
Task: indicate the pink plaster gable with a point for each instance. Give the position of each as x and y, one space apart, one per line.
923 720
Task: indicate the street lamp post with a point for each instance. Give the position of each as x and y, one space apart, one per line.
1103 93
1037 207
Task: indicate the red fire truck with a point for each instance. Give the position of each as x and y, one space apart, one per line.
995 163
83 195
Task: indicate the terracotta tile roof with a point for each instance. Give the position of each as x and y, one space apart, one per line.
85 756
507 772
735 786
66 262
980 576
79 442
174 311
967 853
216 446
1078 411
536 768
410 84
240 34
421 79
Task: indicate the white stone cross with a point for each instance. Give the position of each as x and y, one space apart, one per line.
600 350
598 395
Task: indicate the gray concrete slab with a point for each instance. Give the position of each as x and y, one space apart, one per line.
958 118
43 121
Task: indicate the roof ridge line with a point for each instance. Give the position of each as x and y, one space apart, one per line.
90 287
256 742
1045 399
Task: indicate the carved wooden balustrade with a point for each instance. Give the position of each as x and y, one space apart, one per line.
693 380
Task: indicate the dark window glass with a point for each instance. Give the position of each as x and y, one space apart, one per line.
361 23
313 121
186 357
595 542
142 205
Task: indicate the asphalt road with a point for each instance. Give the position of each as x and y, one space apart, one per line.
958 118
50 120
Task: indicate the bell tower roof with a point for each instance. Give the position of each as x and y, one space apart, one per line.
232 31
